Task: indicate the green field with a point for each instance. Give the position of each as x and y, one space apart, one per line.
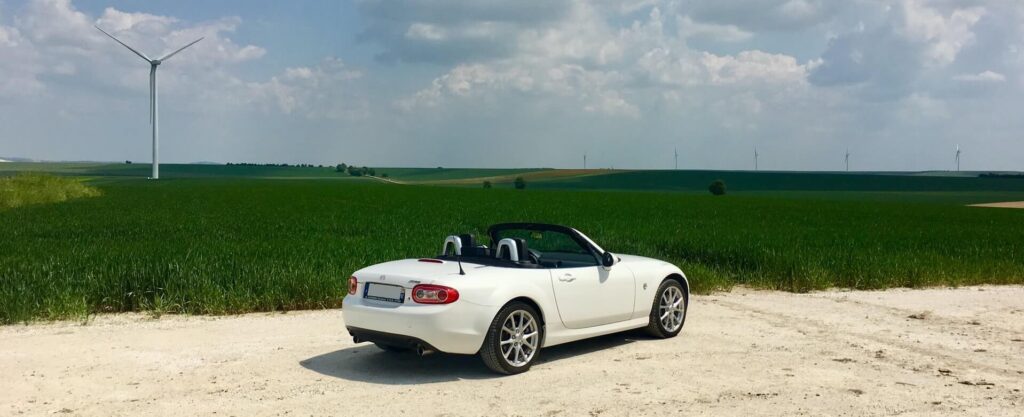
441 174
685 180
102 169
228 245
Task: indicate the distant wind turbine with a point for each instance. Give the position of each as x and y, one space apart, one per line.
153 114
847 159
755 158
677 158
957 158
584 160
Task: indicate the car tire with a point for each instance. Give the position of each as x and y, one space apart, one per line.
670 298
506 349
390 349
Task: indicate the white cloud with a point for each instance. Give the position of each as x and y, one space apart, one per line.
725 33
982 77
8 36
53 41
626 79
319 92
752 66
425 31
602 67
943 35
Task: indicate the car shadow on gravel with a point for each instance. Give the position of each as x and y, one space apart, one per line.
367 363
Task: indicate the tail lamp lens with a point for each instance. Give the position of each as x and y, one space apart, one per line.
353 284
434 294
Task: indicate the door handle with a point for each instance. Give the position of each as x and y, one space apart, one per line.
567 278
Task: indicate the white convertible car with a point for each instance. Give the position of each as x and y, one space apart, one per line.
537 285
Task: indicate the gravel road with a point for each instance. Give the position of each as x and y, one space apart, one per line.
906 352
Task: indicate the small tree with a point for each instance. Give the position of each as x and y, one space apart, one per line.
384 175
487 184
717 187
341 168
520 183
355 172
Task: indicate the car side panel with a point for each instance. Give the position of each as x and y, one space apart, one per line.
649 275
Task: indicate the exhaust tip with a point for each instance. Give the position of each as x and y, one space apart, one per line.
356 339
422 351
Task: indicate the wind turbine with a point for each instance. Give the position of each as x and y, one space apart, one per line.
755 158
957 158
677 158
153 115
584 160
847 159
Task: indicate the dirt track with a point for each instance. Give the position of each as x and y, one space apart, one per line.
752 353
1008 204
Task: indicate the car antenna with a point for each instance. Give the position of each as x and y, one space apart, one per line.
459 259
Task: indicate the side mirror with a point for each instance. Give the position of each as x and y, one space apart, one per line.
609 259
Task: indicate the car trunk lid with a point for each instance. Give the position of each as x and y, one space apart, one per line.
409 272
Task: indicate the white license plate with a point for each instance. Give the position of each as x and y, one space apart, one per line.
384 292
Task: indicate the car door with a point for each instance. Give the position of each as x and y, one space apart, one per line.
593 295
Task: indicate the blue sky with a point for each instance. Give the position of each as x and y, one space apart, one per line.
532 83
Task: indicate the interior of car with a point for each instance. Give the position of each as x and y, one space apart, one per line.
524 245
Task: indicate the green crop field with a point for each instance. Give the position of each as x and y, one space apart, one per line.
228 245
684 180
440 174
93 169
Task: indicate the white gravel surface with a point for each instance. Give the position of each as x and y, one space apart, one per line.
896 352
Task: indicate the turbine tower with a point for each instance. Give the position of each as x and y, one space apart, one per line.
677 158
847 159
584 160
755 158
153 116
957 158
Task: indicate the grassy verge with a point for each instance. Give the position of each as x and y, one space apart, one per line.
32 188
236 245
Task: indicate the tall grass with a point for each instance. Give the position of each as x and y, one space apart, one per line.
228 246
34 188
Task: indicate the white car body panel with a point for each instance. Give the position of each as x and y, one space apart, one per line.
580 291
597 301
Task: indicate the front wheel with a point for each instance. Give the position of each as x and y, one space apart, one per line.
513 339
669 310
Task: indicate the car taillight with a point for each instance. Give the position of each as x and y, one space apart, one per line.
434 294
353 284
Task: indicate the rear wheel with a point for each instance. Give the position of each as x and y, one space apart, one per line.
513 339
669 310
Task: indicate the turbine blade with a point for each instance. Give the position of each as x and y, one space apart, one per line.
140 54
168 56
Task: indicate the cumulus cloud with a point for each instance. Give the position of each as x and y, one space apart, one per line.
319 92
52 43
449 31
601 66
726 33
764 15
981 77
623 79
919 46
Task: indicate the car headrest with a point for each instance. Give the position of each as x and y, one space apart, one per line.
507 249
524 254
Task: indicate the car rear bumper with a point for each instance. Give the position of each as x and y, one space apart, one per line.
459 327
390 339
